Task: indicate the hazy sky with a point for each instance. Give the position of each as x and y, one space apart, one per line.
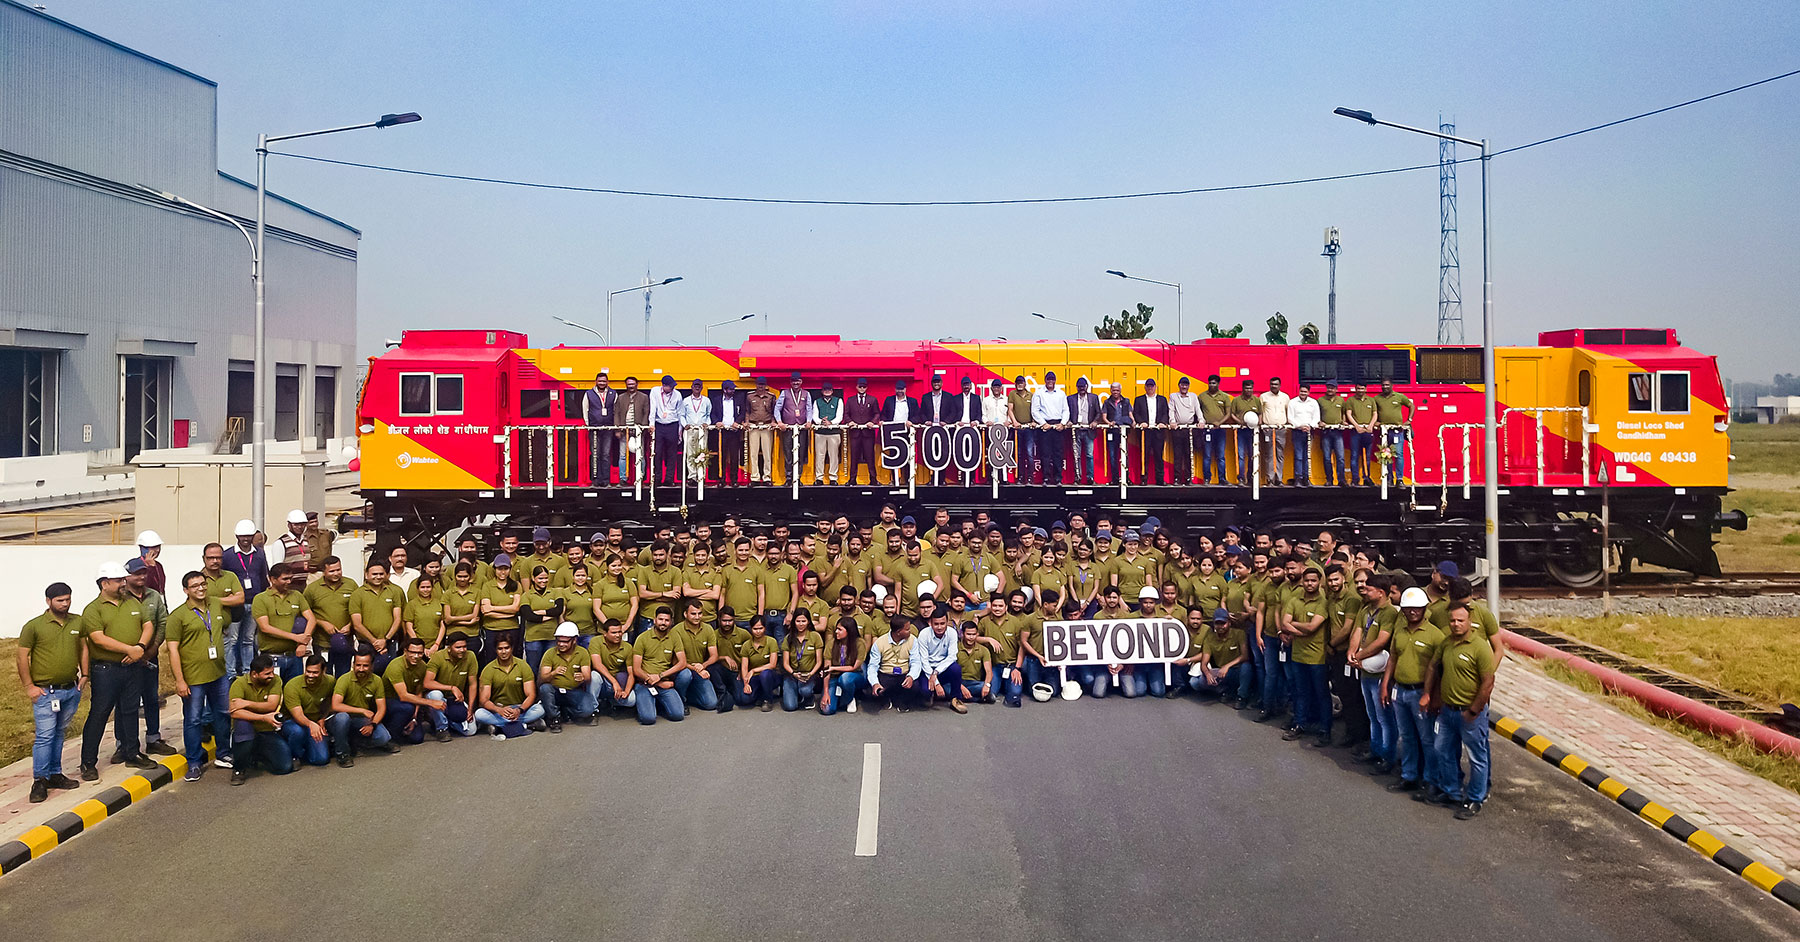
1687 219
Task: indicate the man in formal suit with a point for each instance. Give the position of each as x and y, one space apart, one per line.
728 415
632 408
965 406
1151 412
1084 418
603 441
937 405
900 409
1116 410
862 409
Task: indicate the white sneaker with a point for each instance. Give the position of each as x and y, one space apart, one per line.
223 762
851 708
500 736
469 728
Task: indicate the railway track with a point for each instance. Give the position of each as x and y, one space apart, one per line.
1689 687
107 520
1666 585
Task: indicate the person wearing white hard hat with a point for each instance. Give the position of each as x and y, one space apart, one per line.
293 541
118 634
1147 678
1369 655
246 561
1413 646
149 547
562 681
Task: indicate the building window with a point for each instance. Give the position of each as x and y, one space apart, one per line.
28 402
1639 396
1672 393
324 407
449 394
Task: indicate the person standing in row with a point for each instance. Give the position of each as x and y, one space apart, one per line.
601 406
828 435
197 658
1334 414
1303 415
633 412
759 413
1184 414
1274 417
1151 412
1394 412
156 609
1084 424
793 409
1025 436
52 662
1243 406
246 561
665 421
861 411
1361 407
118 634
1050 409
696 415
728 417
1215 412
1116 415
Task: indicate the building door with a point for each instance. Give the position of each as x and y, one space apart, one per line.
27 403
324 406
240 399
287 402
143 403
1520 392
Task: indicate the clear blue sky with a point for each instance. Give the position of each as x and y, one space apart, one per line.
1687 219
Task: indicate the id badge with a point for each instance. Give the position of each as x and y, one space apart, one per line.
212 654
55 705
1348 671
1281 655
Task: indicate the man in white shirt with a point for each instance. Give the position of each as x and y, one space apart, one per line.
996 414
696 415
1050 408
1274 416
1184 414
1303 415
665 419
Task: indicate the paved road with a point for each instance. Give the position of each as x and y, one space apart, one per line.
1142 820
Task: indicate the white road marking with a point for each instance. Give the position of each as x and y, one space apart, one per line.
868 819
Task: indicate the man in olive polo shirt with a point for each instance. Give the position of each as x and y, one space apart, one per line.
1245 404
306 699
1393 412
375 608
408 708
743 587
284 622
1461 679
119 635
611 682
452 677
701 642
977 663
658 583
657 658
1334 414
358 704
256 720
224 587
1412 648
508 700
562 680
1215 411
1224 659
329 599
52 661
198 629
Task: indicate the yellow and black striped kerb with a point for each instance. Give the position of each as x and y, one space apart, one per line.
1701 841
45 837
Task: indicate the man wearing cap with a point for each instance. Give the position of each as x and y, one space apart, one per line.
1215 413
937 406
1150 412
793 410
542 554
728 418
149 548
1117 415
1461 679
52 662
633 411
1334 415
665 422
1437 590
759 412
1050 411
246 561
1224 659
1303 415
1084 423
601 405
196 648
862 412
1274 415
562 680
1244 405
696 415
828 435
1184 414
1025 447
358 705
156 609
1413 647
996 415
119 634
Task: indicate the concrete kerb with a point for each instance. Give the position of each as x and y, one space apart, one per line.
110 801
1700 841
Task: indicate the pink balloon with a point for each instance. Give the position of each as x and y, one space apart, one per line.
355 464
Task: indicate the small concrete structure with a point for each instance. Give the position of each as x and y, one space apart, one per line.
193 498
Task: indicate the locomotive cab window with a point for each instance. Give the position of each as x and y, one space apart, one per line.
415 393
1672 393
1639 396
449 394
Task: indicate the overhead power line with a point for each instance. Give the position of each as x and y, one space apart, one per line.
1147 194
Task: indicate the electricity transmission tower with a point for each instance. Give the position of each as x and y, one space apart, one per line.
1449 315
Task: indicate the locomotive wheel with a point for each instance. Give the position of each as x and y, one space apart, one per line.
1579 575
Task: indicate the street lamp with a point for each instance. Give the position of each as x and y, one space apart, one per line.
259 386
1046 317
1490 459
643 287
705 334
569 323
1167 284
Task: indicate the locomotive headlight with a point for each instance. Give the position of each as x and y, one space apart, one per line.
1721 426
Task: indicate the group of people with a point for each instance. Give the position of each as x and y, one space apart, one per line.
730 436
830 617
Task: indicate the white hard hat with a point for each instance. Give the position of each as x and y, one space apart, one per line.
1414 598
880 592
296 516
1042 692
111 571
1027 590
1251 419
631 444
245 527
149 538
990 582
1375 663
568 630
927 587
1194 671
1148 593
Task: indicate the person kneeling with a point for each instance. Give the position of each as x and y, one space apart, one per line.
563 675
508 698
759 682
977 663
936 673
1221 665
255 704
890 660
358 704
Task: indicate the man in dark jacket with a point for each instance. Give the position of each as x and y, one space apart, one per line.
728 415
937 405
1151 413
862 409
900 409
633 408
603 446
1117 412
1084 419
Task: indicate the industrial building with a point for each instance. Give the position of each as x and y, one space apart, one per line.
126 319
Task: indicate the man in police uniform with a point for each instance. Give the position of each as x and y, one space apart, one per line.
52 661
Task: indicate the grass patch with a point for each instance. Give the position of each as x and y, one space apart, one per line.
1764 449
1781 770
1757 657
16 727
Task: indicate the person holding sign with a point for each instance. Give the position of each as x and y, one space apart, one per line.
1099 679
1149 679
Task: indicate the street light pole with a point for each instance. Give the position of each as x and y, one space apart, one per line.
643 287
259 385
569 323
706 334
1490 433
1071 324
1167 284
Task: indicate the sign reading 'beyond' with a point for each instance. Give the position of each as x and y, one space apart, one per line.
1114 641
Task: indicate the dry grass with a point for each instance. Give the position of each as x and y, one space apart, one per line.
1756 657
16 728
1765 477
1781 770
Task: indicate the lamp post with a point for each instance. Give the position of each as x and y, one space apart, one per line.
259 387
1167 284
705 334
569 323
643 287
1058 320
1490 459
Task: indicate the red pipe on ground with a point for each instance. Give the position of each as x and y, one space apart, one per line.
1662 702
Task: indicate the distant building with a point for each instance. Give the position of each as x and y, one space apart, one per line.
126 319
1775 408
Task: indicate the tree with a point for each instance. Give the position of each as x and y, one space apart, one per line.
1217 332
1278 327
1309 333
1127 326
1787 384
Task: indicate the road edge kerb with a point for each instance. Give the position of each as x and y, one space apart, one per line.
110 801
1699 840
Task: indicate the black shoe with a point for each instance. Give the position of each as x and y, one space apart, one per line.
40 790
556 727
1362 755
159 748
90 774
725 708
1241 705
118 758
1265 716
389 748
1171 694
1403 786
442 735
60 780
768 705
237 776
346 761
140 761
1292 735
1323 742
1467 810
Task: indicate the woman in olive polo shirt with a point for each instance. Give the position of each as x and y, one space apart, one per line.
424 616
500 609
540 611
617 593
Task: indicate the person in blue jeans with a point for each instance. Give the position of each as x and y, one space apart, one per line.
657 659
256 703
196 655
1148 679
246 561
1368 654
802 663
1224 661
1461 679
306 700
844 662
1413 646
52 655
759 673
563 680
358 705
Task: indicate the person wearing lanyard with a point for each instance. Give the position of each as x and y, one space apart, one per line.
52 662
197 655
801 663
233 579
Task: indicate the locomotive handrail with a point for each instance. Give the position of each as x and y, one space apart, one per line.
1444 471
1538 414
